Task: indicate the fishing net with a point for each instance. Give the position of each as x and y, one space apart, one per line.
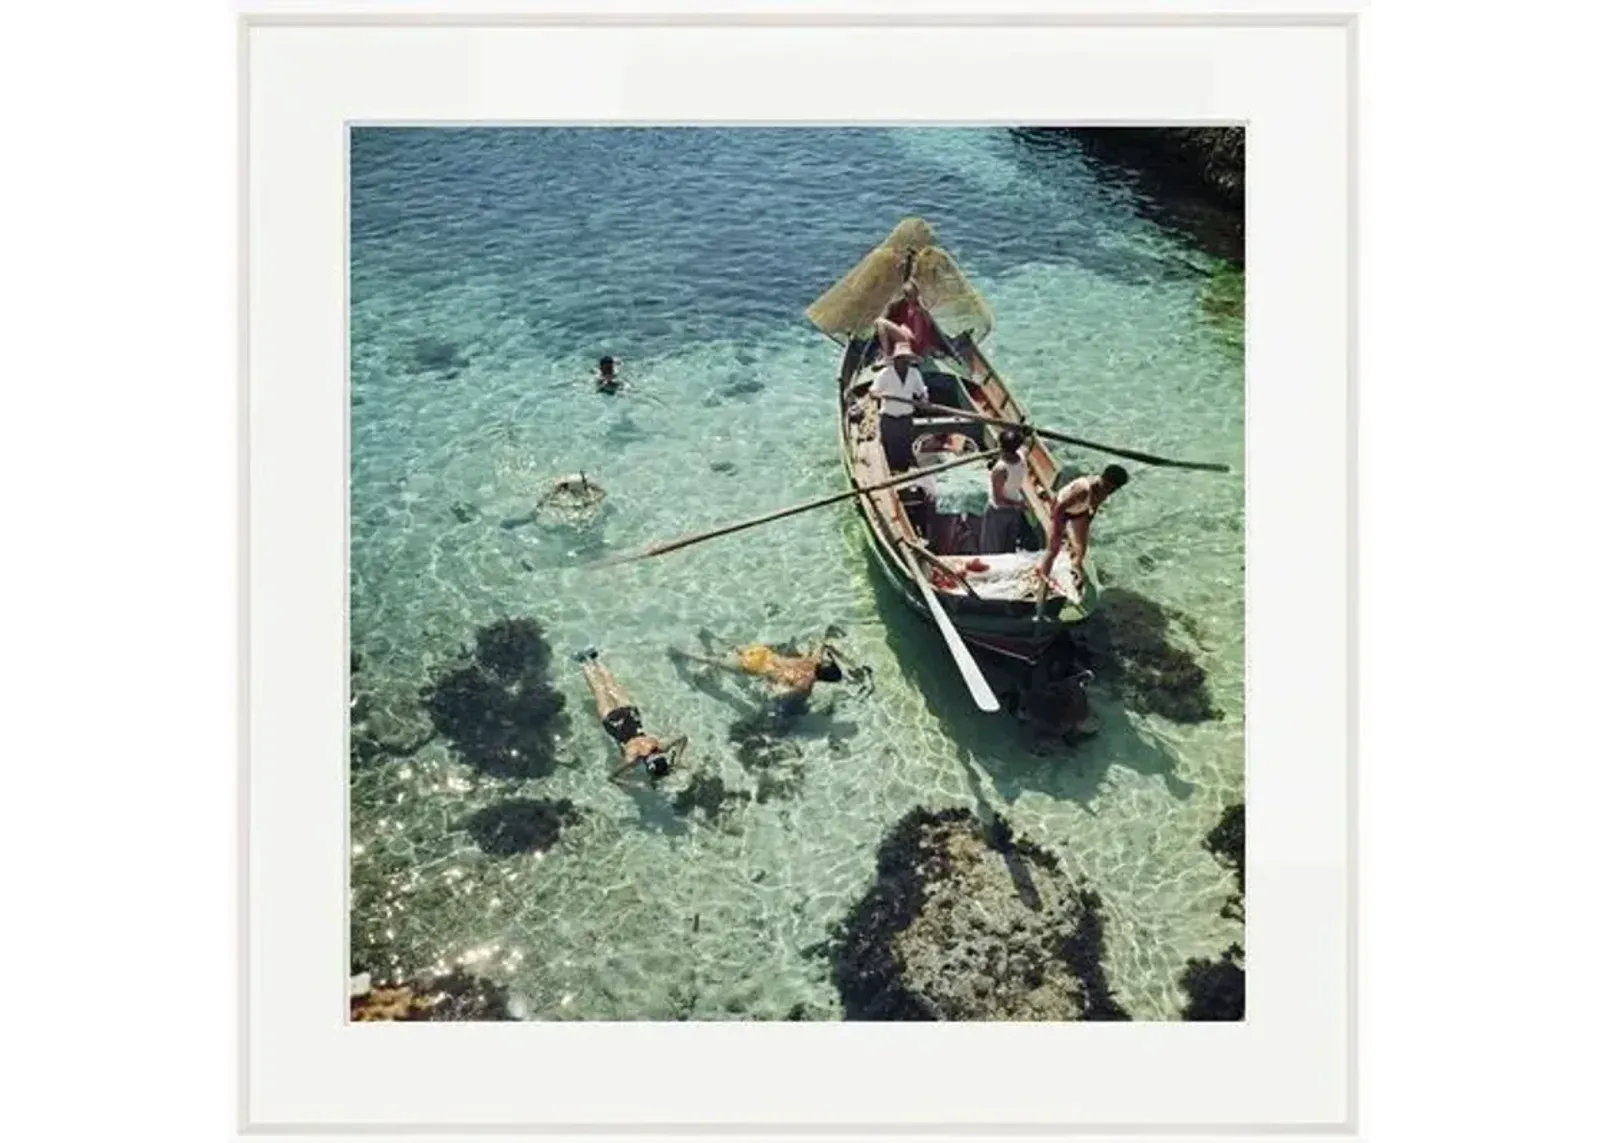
852 304
572 501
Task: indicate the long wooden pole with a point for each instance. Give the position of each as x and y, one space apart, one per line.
665 546
1049 434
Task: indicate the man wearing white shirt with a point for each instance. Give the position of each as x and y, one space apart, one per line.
896 386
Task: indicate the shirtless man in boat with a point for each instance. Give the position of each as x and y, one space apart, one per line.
621 721
790 678
1071 511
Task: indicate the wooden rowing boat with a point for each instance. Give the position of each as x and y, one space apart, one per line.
997 603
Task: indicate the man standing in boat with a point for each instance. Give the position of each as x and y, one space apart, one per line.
907 320
1071 512
896 386
1002 521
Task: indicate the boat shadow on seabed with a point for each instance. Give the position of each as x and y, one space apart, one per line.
1000 743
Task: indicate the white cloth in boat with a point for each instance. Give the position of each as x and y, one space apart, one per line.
1007 576
897 391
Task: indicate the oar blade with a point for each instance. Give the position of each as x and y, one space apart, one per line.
971 674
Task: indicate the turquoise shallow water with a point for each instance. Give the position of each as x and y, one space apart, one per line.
490 268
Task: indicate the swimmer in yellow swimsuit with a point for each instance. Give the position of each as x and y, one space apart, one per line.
789 678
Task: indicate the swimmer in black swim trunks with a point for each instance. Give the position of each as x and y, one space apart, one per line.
621 720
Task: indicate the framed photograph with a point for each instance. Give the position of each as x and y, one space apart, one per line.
784 546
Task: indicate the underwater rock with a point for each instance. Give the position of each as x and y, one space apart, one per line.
1215 987
775 761
711 795
723 466
1124 642
1226 842
435 355
463 512
742 387
520 825
500 711
456 996
772 785
971 923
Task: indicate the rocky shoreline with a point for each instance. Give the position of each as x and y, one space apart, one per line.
1211 157
1189 178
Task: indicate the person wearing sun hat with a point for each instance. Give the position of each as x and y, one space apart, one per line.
896 386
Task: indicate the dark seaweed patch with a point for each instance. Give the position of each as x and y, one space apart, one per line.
513 649
1215 987
1124 641
521 825
1226 841
499 711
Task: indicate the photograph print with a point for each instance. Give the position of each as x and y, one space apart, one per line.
796 573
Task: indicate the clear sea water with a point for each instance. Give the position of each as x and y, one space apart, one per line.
525 254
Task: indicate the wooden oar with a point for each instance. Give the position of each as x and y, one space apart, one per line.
1049 434
971 673
665 546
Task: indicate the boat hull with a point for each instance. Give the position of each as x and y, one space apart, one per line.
1016 630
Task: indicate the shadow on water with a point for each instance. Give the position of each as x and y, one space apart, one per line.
997 742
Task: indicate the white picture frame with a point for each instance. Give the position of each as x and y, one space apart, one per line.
1289 73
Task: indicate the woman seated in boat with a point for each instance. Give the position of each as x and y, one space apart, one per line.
621 720
1071 511
789 678
907 320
